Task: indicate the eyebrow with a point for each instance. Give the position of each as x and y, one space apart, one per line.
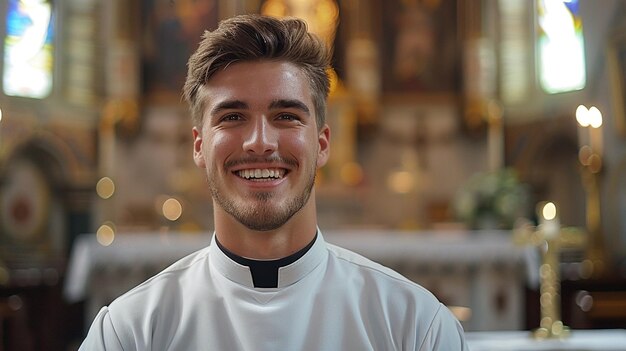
229 105
275 104
289 103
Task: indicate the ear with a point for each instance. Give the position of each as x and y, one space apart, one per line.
198 156
324 146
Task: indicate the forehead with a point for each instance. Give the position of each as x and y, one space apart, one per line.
257 83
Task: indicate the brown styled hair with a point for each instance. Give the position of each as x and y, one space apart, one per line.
253 38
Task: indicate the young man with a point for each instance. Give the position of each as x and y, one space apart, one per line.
257 90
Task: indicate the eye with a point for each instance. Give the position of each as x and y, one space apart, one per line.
288 117
231 117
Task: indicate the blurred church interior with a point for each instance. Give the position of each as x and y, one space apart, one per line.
452 123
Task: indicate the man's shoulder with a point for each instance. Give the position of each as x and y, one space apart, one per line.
171 280
132 315
378 274
399 297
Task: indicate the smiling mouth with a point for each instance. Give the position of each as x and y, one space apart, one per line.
262 174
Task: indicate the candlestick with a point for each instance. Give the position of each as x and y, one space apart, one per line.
550 238
591 152
495 136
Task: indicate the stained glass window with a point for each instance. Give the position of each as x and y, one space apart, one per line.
28 49
560 46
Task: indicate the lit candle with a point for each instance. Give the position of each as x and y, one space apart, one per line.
595 124
582 117
549 220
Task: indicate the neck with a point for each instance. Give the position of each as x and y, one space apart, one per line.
288 239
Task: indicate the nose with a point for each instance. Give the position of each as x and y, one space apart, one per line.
262 138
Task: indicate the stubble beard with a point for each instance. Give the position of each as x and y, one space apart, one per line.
261 213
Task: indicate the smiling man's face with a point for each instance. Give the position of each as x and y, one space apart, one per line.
259 142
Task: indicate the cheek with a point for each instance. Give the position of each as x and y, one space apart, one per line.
221 146
297 144
306 146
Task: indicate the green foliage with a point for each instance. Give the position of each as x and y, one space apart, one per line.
492 200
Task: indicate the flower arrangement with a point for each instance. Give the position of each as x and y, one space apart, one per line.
492 200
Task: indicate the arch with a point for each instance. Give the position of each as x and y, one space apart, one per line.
549 163
60 159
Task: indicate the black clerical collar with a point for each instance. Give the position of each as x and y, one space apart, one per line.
265 273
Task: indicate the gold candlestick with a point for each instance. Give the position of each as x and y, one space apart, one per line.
591 167
550 238
591 159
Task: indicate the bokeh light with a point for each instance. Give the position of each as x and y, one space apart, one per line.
106 234
172 209
582 116
549 211
595 117
105 187
401 182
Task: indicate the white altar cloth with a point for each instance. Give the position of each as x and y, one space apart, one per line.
426 248
579 340
481 271
432 247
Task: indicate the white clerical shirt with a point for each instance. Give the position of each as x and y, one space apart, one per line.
329 299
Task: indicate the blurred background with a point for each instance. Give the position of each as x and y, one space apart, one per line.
451 121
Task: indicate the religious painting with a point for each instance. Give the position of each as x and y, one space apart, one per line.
617 73
171 32
32 216
24 202
419 46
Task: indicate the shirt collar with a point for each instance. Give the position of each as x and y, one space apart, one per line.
287 275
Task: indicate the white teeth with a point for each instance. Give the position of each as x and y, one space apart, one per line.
261 173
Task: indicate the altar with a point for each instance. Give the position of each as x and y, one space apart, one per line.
479 275
579 340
